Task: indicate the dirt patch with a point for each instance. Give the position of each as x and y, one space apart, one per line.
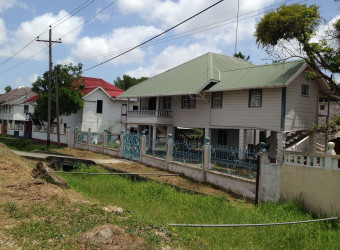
83 154
110 237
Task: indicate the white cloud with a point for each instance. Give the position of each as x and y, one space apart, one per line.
168 13
7 4
170 57
30 29
67 61
3 32
121 39
104 16
32 78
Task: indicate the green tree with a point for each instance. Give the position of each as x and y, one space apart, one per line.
127 81
289 31
8 88
242 56
70 86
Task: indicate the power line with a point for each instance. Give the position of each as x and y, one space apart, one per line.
90 18
155 36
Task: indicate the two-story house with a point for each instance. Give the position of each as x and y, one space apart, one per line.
102 110
232 101
13 111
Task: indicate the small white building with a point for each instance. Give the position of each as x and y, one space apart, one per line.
102 110
14 110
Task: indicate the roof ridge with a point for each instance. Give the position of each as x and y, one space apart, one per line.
263 65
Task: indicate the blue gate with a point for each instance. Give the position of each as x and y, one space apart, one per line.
131 147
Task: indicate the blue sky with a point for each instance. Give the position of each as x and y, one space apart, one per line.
119 25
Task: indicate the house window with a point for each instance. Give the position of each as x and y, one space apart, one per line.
134 107
100 106
322 107
222 137
188 102
167 102
255 98
304 89
25 109
216 100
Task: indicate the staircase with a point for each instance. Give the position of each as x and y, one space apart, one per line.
266 141
294 137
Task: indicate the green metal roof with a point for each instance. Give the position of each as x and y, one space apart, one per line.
269 75
188 78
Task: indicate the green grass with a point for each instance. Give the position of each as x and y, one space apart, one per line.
24 144
154 205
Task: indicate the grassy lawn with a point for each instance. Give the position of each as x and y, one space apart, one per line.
154 205
24 144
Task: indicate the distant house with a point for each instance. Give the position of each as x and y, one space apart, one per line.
235 103
102 110
13 111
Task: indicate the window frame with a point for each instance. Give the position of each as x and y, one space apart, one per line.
253 93
190 100
26 109
305 90
99 107
216 101
166 102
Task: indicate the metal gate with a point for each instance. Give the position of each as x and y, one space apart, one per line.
131 147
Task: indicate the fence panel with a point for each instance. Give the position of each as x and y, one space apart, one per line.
235 161
82 137
188 153
113 141
156 148
131 147
96 139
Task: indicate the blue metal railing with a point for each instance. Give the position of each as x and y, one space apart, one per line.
234 161
188 153
156 148
113 141
96 139
82 137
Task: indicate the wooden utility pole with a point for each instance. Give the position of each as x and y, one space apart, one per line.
57 105
50 42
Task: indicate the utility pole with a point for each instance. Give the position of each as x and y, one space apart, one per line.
57 105
50 42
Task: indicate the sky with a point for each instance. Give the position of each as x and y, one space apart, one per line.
93 31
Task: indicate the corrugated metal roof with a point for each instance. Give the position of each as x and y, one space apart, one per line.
269 75
188 78
15 95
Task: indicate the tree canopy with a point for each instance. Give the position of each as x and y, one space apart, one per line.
242 56
8 88
70 86
290 31
127 81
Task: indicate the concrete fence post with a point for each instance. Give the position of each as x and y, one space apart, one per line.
262 158
121 143
142 145
169 148
206 158
75 137
104 145
330 163
89 137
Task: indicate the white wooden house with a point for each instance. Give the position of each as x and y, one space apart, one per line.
232 101
102 110
13 111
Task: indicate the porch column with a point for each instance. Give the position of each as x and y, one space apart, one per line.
207 132
273 145
241 138
280 143
170 130
154 136
311 145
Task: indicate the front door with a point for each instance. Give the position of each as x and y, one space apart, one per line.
4 129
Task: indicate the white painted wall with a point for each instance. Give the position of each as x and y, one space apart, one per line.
110 119
301 111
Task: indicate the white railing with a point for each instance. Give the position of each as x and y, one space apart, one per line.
16 126
149 113
329 160
43 129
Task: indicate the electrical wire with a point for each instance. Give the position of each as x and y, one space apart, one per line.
253 225
173 27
